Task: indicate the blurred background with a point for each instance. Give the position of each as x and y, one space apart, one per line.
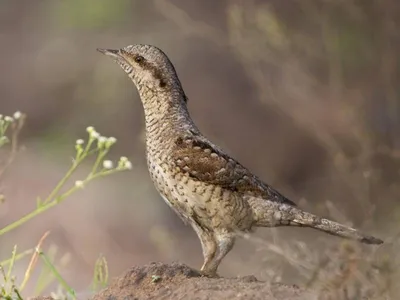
303 93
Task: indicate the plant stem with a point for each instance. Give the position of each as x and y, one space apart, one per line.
17 257
27 217
57 275
100 157
62 182
57 200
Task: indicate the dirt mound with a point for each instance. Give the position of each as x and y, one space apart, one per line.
178 281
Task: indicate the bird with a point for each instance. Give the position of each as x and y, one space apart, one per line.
207 188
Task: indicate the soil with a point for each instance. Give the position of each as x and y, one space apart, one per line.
178 281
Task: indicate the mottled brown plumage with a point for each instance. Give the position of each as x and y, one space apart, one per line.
206 163
206 187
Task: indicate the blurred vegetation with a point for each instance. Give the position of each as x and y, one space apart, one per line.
90 14
97 146
312 86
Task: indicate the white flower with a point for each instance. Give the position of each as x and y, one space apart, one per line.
101 140
80 142
107 164
124 163
79 183
128 165
17 115
8 119
90 129
94 134
1 117
111 141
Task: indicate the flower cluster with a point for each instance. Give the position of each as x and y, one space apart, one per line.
5 122
7 119
103 145
102 141
124 164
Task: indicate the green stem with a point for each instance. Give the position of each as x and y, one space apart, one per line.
27 217
4 128
56 201
100 157
59 199
57 275
38 211
62 182
88 145
78 160
17 257
102 173
14 253
18 294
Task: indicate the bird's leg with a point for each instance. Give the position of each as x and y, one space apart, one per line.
209 249
225 243
208 245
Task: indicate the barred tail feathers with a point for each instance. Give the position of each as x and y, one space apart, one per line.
271 214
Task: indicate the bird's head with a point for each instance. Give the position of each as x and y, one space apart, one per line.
146 65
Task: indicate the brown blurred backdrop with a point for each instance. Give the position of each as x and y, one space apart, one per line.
304 93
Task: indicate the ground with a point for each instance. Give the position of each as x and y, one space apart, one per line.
178 281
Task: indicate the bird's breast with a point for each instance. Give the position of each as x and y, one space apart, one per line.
197 202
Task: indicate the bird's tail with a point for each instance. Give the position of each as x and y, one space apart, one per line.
270 214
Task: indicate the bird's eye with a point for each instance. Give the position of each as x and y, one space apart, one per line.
139 59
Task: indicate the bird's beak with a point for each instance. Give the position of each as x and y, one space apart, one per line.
110 52
119 57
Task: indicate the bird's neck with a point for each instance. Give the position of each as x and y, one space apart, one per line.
166 113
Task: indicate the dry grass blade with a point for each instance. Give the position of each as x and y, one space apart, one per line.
33 260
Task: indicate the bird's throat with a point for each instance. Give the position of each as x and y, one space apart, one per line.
166 113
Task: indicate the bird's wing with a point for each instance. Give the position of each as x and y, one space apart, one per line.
205 162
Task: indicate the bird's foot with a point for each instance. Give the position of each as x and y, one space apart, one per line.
209 274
